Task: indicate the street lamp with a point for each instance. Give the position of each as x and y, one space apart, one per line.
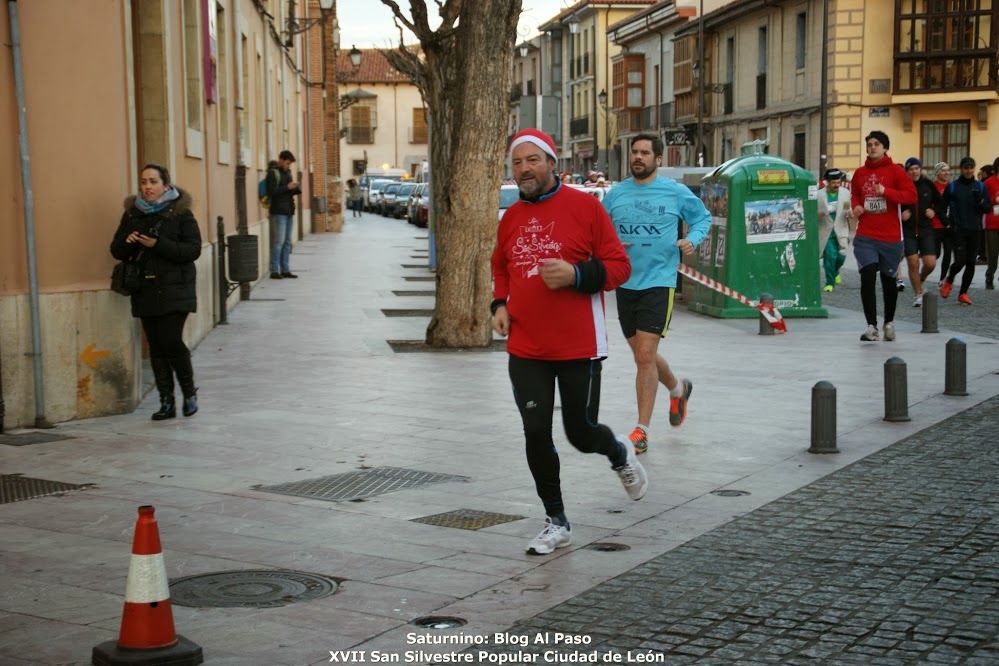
297 25
523 49
355 56
602 98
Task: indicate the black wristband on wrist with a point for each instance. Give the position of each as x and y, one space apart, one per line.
496 305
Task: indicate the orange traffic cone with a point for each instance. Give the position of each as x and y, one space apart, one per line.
147 634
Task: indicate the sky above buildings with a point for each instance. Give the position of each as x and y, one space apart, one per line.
368 23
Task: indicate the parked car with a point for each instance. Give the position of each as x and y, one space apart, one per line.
509 195
370 195
387 197
402 200
419 205
413 203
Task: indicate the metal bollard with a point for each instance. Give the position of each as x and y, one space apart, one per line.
929 313
896 391
223 280
823 418
956 368
765 327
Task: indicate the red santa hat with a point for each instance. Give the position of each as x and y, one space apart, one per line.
538 138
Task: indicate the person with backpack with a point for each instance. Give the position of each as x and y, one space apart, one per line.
281 190
967 200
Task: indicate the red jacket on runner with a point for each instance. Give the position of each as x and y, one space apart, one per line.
882 216
564 324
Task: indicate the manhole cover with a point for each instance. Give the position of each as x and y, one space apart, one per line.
439 622
467 519
730 493
251 588
405 292
14 488
413 346
363 483
25 438
407 313
607 547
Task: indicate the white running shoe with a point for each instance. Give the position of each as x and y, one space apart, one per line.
918 303
889 331
871 334
631 473
552 537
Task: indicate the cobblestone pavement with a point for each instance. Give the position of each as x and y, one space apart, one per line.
892 560
981 318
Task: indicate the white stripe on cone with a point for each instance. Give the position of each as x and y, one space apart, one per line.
147 579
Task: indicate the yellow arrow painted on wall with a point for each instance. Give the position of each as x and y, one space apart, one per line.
90 355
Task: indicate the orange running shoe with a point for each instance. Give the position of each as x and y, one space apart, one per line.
639 440
964 299
678 406
945 288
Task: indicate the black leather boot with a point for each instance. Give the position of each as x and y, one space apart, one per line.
185 377
164 385
167 410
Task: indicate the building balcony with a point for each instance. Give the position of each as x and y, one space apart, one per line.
579 126
360 134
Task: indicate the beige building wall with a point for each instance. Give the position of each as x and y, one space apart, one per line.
861 50
105 92
392 147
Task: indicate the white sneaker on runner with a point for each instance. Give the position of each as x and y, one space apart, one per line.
552 537
871 334
889 331
631 473
918 303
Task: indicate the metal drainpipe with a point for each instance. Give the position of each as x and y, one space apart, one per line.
29 218
823 95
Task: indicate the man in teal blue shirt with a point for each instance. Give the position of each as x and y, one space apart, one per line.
647 210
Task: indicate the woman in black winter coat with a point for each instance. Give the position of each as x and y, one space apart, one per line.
159 232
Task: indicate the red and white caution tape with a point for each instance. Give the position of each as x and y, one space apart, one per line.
768 310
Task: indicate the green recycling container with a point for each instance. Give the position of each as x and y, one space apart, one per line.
763 239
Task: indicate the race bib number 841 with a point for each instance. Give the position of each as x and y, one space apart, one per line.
875 205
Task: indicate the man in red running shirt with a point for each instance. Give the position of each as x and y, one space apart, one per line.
879 189
556 253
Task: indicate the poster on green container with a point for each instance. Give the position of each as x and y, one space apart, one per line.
775 220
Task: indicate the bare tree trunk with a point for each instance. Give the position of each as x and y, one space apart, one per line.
465 79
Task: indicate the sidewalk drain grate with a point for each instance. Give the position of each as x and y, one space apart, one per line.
407 313
25 438
420 278
414 346
360 484
730 493
439 622
414 266
607 547
404 292
467 519
14 488
250 589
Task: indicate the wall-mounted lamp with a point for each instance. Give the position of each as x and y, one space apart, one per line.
355 56
523 49
602 98
296 25
573 24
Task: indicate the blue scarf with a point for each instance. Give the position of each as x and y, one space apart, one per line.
156 206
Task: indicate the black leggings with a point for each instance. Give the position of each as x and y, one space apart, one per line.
965 256
579 390
165 335
868 296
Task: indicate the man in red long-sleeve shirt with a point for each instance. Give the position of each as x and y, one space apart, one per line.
556 253
879 190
